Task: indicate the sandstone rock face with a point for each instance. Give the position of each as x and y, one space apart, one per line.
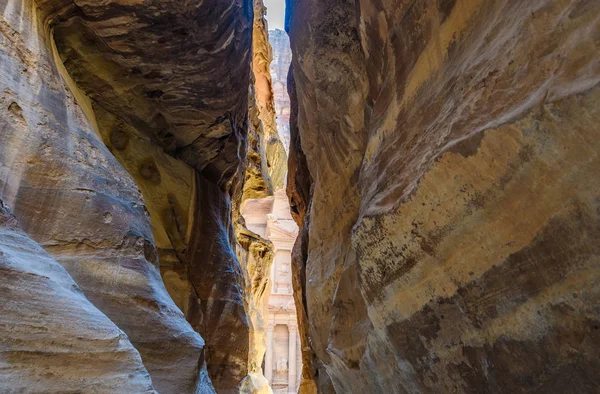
159 66
282 57
442 167
123 143
256 257
57 328
265 171
265 100
298 190
73 197
217 310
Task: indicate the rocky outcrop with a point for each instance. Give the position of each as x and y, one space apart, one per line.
282 58
57 328
177 120
256 257
264 174
265 103
158 69
123 143
74 198
442 168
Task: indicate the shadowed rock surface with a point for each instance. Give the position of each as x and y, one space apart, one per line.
442 168
74 198
178 72
58 328
143 81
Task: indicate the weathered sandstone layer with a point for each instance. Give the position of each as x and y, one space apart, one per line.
177 120
123 153
75 199
265 103
58 328
444 170
265 171
282 58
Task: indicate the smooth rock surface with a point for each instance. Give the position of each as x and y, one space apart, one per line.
57 328
217 308
74 198
443 174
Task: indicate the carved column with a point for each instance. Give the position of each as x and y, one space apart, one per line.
292 329
269 354
273 268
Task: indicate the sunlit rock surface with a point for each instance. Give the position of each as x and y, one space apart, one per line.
282 57
265 99
442 169
264 175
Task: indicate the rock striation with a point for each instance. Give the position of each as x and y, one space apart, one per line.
264 175
75 199
57 329
156 68
442 171
123 154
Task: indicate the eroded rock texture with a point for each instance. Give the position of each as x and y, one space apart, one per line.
58 328
123 144
256 256
264 174
74 198
442 166
265 100
159 66
282 57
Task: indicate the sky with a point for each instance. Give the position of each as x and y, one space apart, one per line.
275 13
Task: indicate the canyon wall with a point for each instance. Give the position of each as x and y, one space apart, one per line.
443 172
282 57
123 153
264 174
73 197
443 167
58 328
265 100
